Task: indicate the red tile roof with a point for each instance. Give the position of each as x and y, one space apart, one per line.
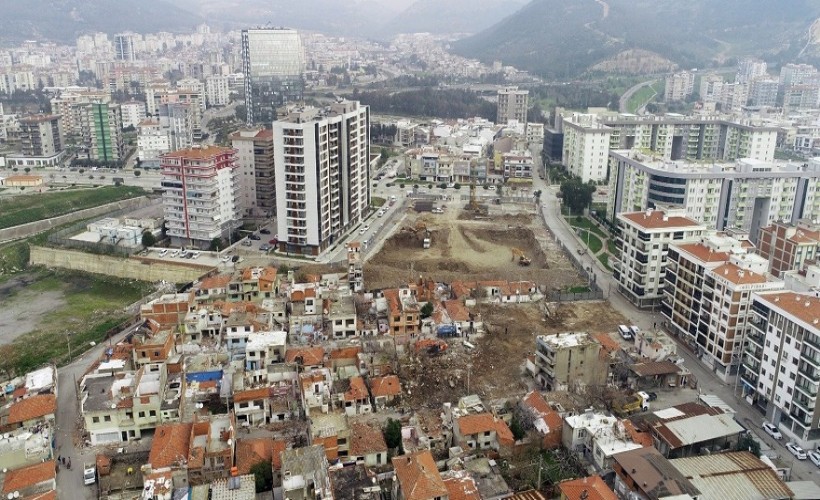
418 476
804 307
26 477
587 488
250 452
345 353
657 219
475 424
704 253
357 390
32 407
310 356
738 276
171 443
388 385
198 153
251 395
462 487
366 439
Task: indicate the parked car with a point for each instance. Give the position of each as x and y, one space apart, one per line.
814 456
163 252
235 258
635 330
226 259
194 255
625 331
771 430
491 188
797 451
274 242
247 242
264 230
255 237
652 396
174 253
265 247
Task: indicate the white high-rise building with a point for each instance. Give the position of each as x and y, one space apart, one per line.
586 146
679 86
133 113
796 74
200 194
217 91
125 46
512 105
750 69
321 159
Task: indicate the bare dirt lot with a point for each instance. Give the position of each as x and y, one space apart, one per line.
496 365
463 248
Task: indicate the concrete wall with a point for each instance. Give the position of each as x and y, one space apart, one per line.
138 268
32 228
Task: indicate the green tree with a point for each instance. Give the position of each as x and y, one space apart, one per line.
27 170
517 429
747 443
263 475
148 239
216 244
137 173
384 156
427 310
392 434
576 194
537 195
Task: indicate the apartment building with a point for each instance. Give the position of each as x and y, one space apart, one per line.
781 363
403 313
763 93
69 104
133 113
708 292
589 139
568 359
322 172
256 172
518 165
41 141
750 69
679 86
796 74
512 105
644 241
159 94
789 246
199 194
745 195
125 46
101 131
217 90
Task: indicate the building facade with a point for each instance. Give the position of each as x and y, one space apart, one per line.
679 86
644 242
256 173
101 129
273 62
568 359
322 172
41 136
788 247
512 105
744 195
200 193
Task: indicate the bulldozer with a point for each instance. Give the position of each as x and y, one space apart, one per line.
522 258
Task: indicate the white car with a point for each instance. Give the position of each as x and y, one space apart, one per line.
771 430
174 253
163 252
796 451
491 188
380 213
195 255
226 258
363 230
814 456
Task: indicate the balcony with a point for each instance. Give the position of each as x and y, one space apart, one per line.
807 387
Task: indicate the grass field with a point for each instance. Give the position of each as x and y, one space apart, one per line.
29 208
591 240
64 307
584 223
612 248
639 98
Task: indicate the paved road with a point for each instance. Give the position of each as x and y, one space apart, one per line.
624 100
708 383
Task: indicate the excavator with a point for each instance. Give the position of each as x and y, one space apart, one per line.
522 258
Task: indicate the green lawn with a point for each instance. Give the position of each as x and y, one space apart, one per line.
604 258
29 208
579 289
377 202
585 223
611 248
89 305
639 98
593 242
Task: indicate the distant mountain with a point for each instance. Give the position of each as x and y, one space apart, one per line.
451 16
562 39
63 20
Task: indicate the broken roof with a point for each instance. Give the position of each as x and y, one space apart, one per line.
586 488
366 439
27 477
32 407
733 475
418 476
653 368
388 385
170 446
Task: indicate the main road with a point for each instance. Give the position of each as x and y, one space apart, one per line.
708 383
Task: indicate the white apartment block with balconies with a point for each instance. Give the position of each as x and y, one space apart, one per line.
745 195
200 193
322 171
645 238
781 364
586 146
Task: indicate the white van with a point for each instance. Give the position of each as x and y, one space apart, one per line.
625 332
163 252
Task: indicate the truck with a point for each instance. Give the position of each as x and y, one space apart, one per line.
448 331
625 406
89 473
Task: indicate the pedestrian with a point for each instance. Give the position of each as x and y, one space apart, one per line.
59 458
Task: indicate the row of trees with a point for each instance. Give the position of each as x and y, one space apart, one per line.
442 103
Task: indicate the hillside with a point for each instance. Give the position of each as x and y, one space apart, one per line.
453 16
563 39
63 20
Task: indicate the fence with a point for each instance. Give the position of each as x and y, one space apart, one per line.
62 238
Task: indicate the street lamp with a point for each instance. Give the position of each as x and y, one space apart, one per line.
68 343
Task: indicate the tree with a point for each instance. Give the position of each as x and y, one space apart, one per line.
427 310
748 443
537 195
148 239
263 475
216 244
392 434
576 194
137 173
27 170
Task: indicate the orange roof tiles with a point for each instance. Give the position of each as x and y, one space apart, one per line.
250 452
804 307
171 442
357 390
461 487
738 276
608 344
418 476
346 353
475 424
704 253
26 477
218 281
637 436
586 488
366 439
504 434
32 407
310 356
49 495
457 310
388 385
251 395
657 219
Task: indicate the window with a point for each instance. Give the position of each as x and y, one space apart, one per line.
95 420
141 414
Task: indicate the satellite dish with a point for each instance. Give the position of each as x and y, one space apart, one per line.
230 442
16 494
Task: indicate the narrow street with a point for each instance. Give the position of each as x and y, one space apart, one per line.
707 382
